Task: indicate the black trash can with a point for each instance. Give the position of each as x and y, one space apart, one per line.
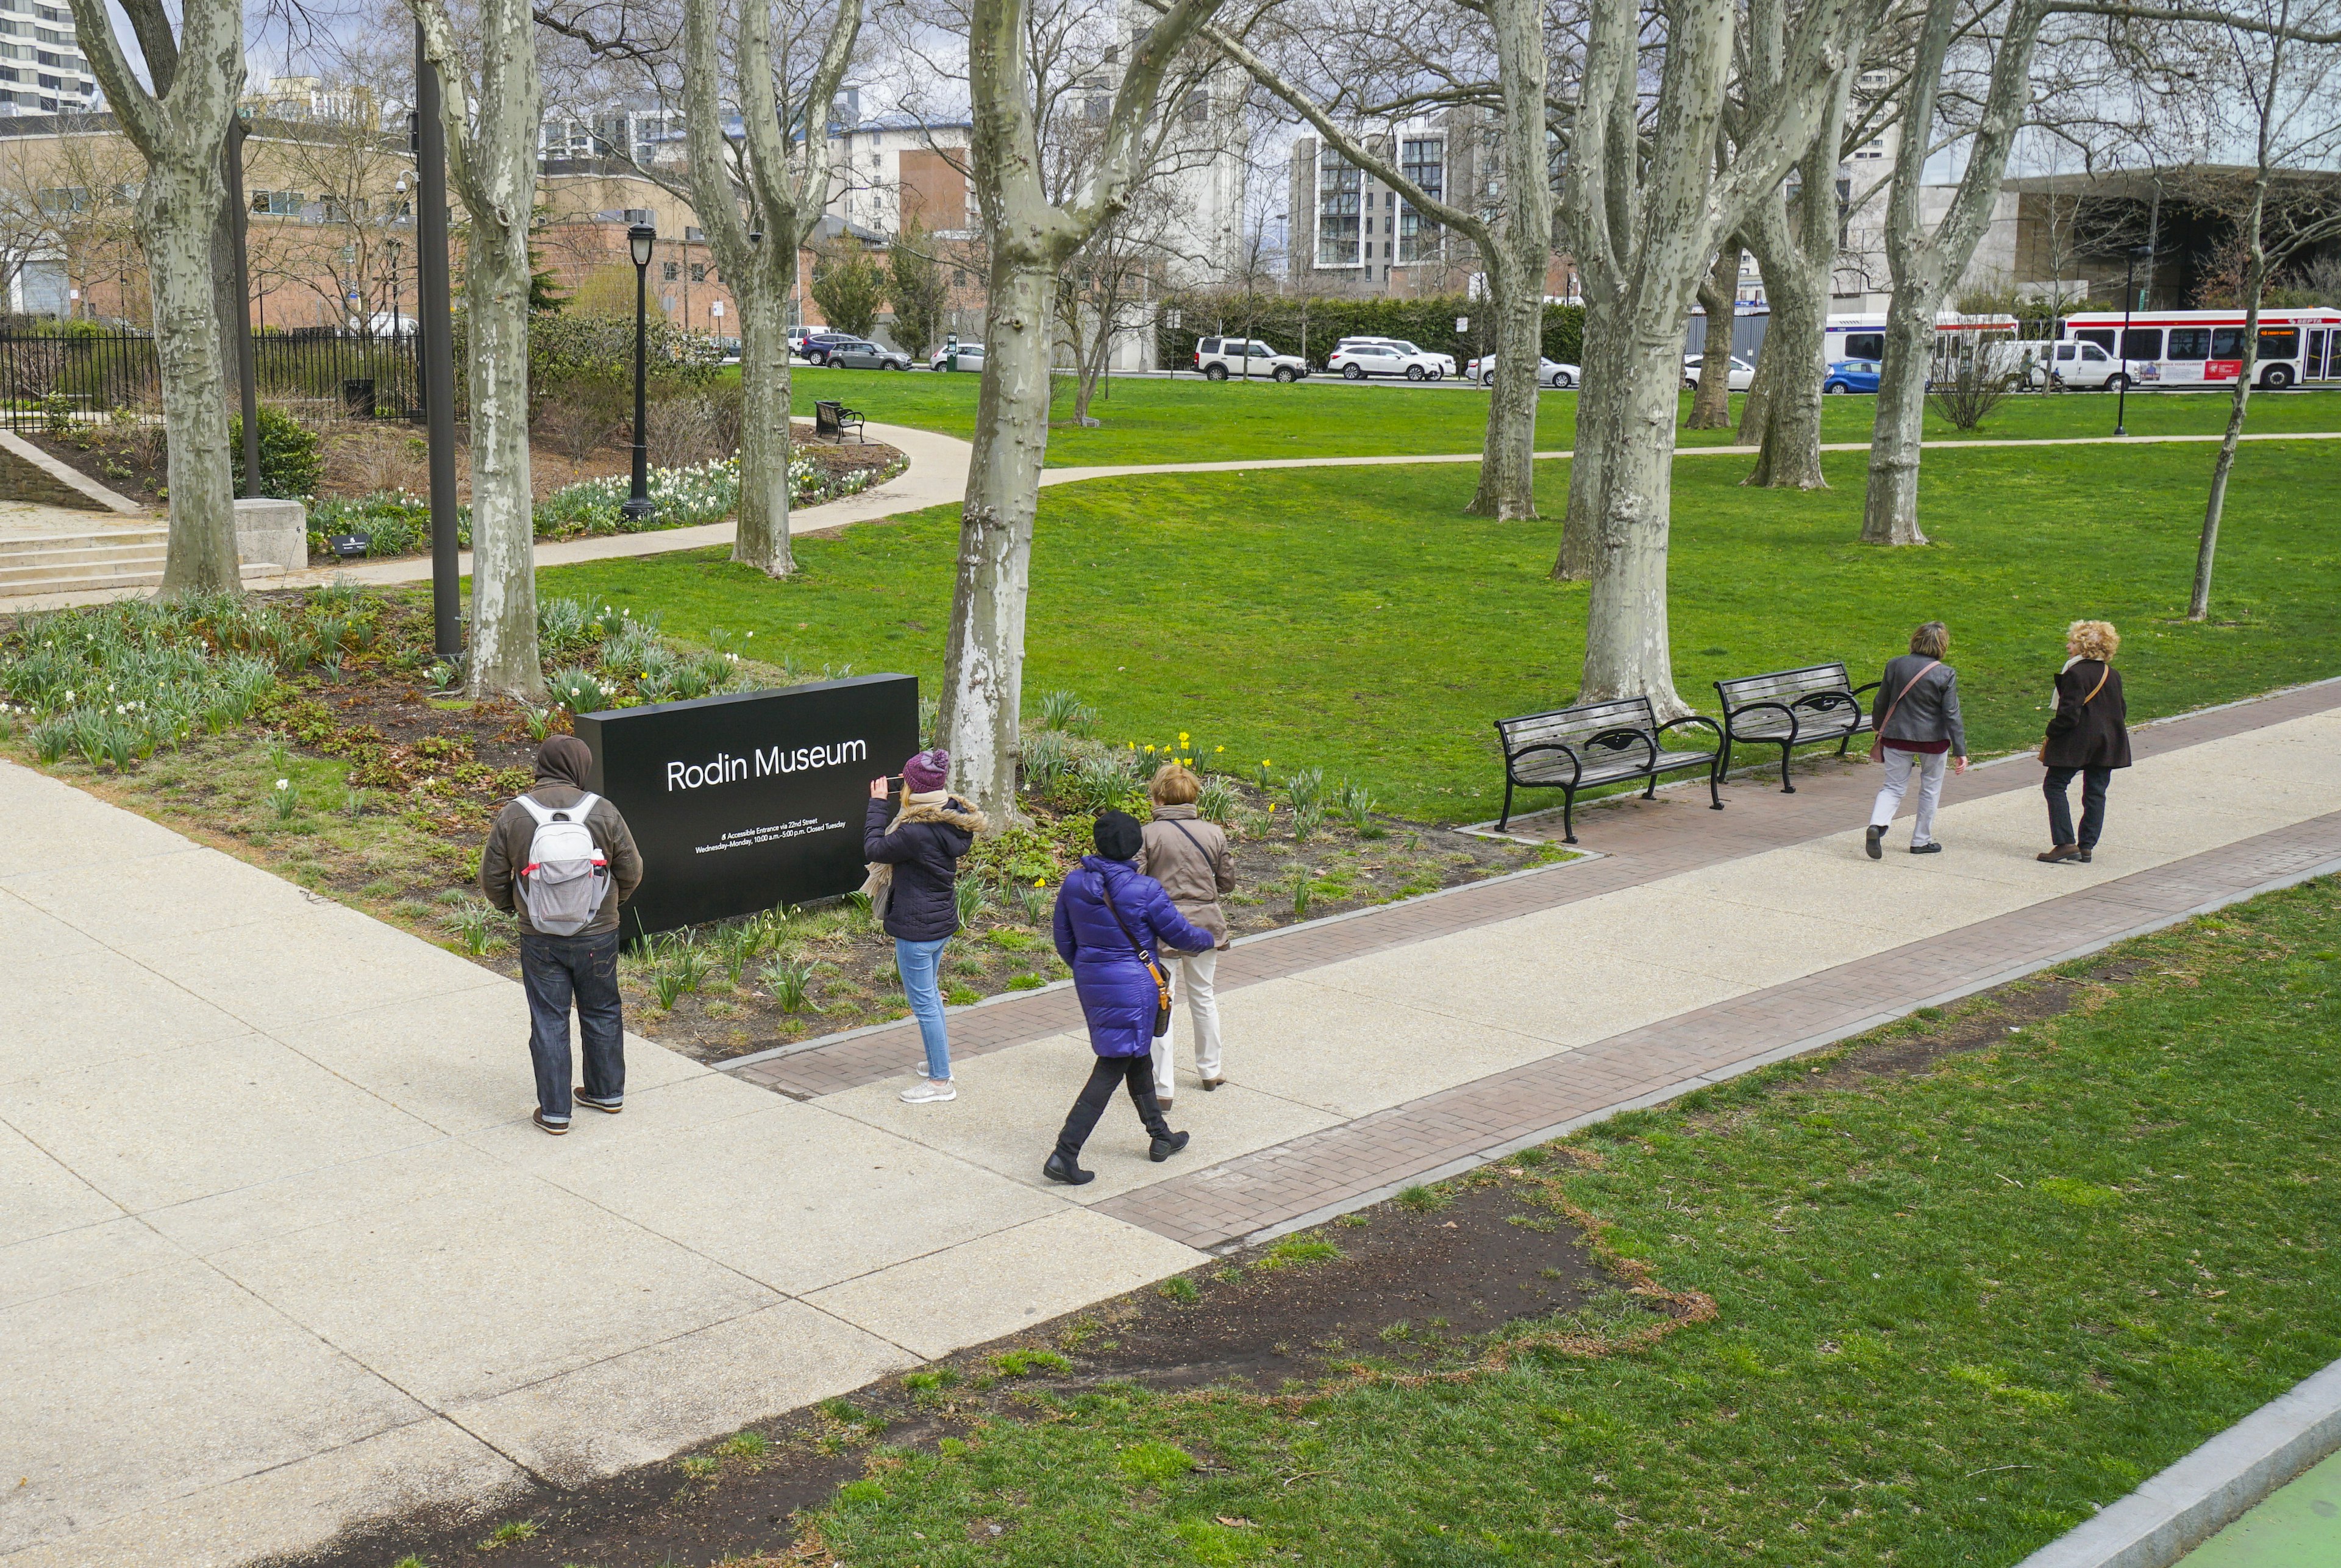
357 396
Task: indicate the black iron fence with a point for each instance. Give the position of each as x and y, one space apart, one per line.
52 378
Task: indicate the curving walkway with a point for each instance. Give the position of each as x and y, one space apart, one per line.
280 1253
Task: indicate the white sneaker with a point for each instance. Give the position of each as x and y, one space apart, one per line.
929 1092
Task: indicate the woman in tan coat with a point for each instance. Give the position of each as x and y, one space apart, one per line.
1188 856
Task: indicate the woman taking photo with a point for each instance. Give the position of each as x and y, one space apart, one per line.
1916 718
1188 856
1114 925
913 844
2088 735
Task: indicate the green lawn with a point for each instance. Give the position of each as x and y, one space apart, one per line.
1956 1314
1183 421
1358 620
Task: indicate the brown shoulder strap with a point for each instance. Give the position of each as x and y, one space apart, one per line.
2105 673
1902 694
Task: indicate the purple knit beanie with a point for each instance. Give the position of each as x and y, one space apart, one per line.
928 771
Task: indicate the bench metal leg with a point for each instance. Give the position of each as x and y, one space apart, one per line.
1568 807
1723 762
1505 820
1714 779
1786 787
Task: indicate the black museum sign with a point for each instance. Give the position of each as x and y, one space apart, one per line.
743 801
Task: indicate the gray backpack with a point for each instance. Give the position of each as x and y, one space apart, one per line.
563 884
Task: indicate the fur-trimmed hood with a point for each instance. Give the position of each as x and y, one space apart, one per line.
954 811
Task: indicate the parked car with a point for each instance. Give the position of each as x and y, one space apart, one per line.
1550 373
1851 376
1742 376
1365 359
816 345
966 357
1446 362
1221 357
860 353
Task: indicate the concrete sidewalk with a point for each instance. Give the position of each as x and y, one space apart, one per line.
279 1252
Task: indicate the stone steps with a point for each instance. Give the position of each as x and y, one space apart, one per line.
92 562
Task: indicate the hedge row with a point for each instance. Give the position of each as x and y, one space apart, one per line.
1428 321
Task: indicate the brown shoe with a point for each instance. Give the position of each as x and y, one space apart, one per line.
2063 851
556 1128
1213 1083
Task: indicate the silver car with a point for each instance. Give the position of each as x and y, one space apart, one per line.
965 356
859 353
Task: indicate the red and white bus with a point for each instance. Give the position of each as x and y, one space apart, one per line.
2191 349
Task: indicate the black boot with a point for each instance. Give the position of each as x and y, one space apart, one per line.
1062 1168
1166 1144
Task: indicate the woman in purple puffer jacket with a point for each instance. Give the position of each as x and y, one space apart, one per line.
1118 996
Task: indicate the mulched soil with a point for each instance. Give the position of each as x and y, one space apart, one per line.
1418 1284
364 457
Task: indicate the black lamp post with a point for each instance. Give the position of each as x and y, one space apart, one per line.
640 238
2129 300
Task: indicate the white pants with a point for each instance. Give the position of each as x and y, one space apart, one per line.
1898 763
1192 977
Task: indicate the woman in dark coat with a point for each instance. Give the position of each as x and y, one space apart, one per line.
920 839
1118 996
2086 735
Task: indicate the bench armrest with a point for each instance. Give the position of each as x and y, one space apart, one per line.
1630 732
1816 701
1576 762
1871 687
1692 719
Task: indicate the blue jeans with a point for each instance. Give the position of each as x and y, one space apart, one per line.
555 971
922 964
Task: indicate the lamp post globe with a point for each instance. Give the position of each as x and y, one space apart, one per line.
639 240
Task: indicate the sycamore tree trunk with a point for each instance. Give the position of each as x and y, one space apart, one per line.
1890 510
1925 264
2256 271
1508 462
765 434
1517 249
1789 436
175 211
1719 292
505 660
1626 637
493 116
1599 408
182 133
985 661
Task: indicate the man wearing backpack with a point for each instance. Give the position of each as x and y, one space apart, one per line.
562 859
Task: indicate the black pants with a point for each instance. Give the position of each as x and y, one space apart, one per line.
554 970
1110 1073
2093 804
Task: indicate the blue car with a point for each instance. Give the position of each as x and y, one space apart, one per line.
1851 376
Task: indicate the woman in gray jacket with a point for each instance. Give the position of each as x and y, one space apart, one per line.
1188 856
1916 718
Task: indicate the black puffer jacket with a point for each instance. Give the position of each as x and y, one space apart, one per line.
924 852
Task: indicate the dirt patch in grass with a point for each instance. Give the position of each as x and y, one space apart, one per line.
1411 1284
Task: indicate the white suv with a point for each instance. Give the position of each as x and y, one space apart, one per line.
1551 373
2083 364
1221 357
1445 362
1362 360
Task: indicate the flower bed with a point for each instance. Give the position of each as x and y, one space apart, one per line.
316 732
398 521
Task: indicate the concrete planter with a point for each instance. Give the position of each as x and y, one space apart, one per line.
275 533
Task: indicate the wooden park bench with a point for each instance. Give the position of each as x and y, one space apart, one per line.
833 419
1573 749
1791 708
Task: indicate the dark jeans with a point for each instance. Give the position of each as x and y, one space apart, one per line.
1110 1073
554 970
2093 804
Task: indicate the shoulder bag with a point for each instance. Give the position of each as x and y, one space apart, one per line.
2104 674
1161 980
1878 743
879 886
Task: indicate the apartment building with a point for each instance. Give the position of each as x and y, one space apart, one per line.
43 70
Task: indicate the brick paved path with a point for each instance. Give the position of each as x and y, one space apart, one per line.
1358 1158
